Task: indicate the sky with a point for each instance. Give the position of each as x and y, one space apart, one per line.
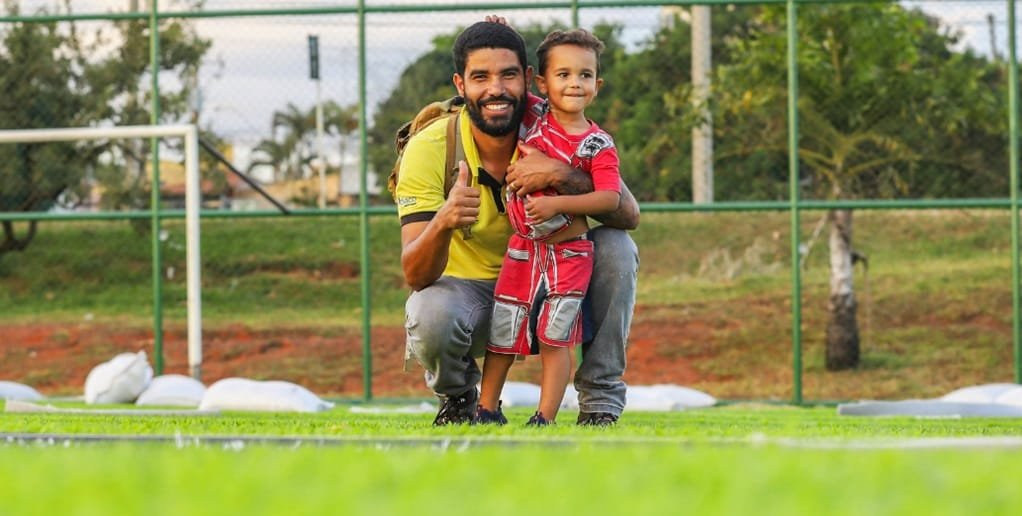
257 65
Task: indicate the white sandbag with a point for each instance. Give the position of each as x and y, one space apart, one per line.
18 392
520 394
173 390
665 397
684 397
272 396
986 393
119 380
570 401
644 397
1012 396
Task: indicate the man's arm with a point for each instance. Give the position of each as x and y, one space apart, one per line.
425 245
537 171
424 249
626 216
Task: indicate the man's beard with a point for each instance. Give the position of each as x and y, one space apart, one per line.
497 127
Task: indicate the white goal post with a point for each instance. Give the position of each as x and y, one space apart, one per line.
193 202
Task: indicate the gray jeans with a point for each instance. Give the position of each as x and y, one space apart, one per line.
448 323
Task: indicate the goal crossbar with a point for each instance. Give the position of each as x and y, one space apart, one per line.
193 198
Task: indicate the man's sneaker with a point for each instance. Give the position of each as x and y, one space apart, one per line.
457 410
486 417
537 419
596 419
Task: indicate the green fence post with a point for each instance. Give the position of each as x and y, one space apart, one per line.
1013 148
154 143
363 200
796 273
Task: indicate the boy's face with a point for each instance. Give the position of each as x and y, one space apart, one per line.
494 87
569 81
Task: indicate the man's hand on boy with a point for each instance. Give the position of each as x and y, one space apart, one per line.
534 171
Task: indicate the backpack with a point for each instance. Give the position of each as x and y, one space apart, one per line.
447 109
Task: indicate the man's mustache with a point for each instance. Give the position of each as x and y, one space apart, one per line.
501 98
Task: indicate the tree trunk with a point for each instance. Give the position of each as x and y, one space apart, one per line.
11 242
842 329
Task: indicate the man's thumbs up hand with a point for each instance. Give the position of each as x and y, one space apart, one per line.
462 207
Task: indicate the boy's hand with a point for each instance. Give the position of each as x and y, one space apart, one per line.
541 209
462 206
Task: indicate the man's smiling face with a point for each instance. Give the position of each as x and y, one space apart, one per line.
494 87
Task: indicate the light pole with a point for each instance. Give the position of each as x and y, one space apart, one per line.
320 154
702 134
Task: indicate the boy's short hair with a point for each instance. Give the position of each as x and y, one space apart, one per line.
578 37
487 35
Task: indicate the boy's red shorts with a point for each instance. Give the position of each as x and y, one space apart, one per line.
530 268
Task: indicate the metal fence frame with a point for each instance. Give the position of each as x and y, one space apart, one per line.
794 205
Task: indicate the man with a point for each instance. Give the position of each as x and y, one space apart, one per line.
453 272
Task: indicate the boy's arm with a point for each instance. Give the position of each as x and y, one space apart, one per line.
537 171
592 203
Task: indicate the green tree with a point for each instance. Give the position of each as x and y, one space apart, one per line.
273 154
296 130
646 104
425 80
122 83
876 114
40 88
49 78
291 148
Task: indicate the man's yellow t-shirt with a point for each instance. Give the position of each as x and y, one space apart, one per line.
420 194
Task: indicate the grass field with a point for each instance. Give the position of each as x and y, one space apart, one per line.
741 459
305 270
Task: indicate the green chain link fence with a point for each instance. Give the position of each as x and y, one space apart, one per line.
817 108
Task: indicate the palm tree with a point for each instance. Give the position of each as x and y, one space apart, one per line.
273 154
295 128
842 158
340 121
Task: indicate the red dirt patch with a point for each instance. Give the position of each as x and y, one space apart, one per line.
721 350
55 358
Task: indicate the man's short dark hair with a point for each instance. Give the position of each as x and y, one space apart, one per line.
578 37
487 35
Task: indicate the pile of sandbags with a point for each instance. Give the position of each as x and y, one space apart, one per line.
128 378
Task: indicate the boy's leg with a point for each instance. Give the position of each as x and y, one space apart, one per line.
495 369
556 372
447 325
610 302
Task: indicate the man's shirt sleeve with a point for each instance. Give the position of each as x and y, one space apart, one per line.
420 186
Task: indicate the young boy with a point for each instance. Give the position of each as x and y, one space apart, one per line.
546 271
